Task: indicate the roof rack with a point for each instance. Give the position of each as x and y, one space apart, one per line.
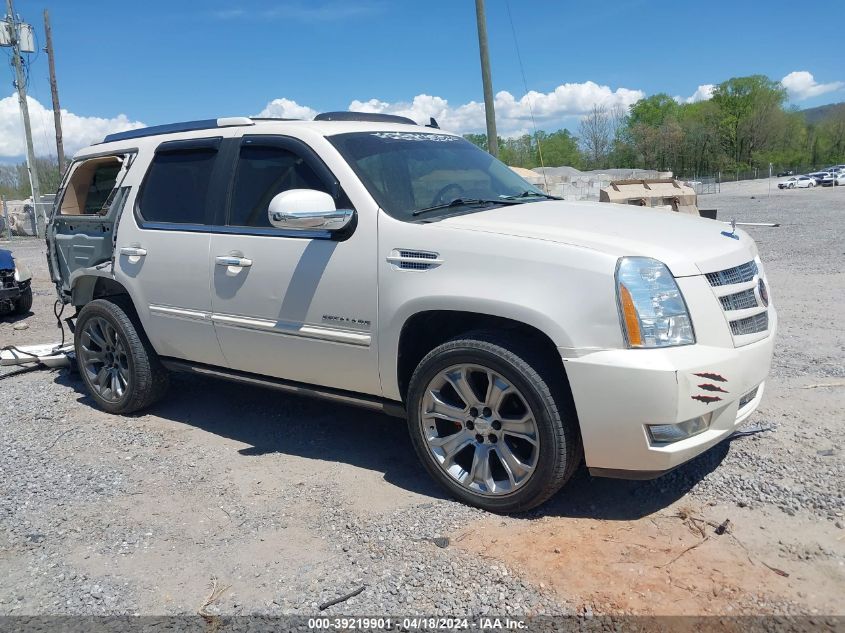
185 126
370 117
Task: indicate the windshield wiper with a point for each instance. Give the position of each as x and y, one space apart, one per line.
465 202
533 194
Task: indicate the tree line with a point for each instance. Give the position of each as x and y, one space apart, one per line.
14 179
745 125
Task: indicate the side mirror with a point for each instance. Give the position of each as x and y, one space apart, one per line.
307 210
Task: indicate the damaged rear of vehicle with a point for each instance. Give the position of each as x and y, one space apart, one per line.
82 233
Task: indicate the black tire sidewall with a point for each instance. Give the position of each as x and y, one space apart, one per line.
23 304
105 310
546 415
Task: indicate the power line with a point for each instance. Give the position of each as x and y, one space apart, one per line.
527 94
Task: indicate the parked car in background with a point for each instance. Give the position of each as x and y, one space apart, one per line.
786 172
15 289
834 179
797 182
818 176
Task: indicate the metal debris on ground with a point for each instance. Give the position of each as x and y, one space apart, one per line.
343 598
751 431
52 355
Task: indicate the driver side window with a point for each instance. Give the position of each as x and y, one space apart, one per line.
263 172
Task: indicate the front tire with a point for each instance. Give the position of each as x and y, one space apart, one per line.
492 422
23 304
120 368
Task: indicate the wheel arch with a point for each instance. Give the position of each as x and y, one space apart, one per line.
424 330
91 283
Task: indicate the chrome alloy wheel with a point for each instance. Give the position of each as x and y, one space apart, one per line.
104 359
480 429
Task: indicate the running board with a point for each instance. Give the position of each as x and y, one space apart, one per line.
389 407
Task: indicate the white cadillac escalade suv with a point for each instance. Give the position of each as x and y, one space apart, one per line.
372 261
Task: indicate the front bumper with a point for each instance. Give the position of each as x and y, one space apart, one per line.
12 293
618 392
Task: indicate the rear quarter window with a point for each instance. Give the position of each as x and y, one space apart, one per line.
176 186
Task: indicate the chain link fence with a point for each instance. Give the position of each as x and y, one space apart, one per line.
20 219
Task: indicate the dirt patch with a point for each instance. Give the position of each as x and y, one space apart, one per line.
674 563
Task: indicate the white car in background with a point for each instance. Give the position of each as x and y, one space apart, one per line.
834 179
797 182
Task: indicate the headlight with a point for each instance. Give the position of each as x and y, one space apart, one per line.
22 272
651 307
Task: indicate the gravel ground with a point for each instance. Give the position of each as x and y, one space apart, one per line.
287 503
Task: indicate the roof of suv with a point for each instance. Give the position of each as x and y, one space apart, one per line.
322 125
209 124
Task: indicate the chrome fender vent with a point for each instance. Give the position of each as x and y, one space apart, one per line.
407 259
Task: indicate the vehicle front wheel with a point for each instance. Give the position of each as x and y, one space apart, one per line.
120 368
23 304
492 422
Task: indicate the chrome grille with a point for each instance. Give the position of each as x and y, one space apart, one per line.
740 301
7 278
748 397
737 275
751 325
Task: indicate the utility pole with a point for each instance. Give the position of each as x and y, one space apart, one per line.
54 91
489 108
15 29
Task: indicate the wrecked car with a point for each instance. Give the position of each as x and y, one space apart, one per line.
15 285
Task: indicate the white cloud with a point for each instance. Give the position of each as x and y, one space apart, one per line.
513 116
801 85
77 131
703 93
287 109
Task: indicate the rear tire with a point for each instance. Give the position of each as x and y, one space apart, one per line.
470 450
121 370
23 304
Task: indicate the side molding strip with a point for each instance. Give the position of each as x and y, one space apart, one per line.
292 329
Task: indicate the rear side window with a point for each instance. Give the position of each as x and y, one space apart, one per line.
263 172
176 186
89 188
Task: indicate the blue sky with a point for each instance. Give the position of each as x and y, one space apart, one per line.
158 62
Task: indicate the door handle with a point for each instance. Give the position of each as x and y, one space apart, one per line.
229 260
133 251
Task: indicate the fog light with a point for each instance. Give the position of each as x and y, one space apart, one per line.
668 433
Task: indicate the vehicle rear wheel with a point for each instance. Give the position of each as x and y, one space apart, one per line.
120 368
492 422
23 304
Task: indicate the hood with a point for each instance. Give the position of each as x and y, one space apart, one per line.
688 245
7 262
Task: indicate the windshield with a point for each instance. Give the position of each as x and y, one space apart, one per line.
414 173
